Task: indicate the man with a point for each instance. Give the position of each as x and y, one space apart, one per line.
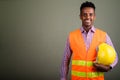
81 46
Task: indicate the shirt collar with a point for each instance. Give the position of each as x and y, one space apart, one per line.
92 29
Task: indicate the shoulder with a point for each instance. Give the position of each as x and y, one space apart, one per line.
100 31
75 31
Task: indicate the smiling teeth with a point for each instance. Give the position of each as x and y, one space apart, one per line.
87 21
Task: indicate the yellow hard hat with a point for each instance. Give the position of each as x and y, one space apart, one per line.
106 54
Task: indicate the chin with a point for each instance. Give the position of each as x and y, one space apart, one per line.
88 26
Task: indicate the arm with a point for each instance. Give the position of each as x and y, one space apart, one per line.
108 41
65 61
105 68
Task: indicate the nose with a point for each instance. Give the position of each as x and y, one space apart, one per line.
88 16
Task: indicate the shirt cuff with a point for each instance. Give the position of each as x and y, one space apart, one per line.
63 79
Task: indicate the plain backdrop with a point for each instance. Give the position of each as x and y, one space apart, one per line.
33 35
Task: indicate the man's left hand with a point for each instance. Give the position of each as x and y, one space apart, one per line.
101 67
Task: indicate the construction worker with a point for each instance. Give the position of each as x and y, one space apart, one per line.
81 47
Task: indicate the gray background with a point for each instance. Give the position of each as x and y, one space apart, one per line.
33 35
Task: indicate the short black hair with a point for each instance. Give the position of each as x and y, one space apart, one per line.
87 4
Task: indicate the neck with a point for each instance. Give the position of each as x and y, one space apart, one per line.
87 29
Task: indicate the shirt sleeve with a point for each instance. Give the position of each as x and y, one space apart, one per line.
65 61
108 41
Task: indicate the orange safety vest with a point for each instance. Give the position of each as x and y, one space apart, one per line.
82 59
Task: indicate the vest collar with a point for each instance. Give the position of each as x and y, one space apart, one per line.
83 30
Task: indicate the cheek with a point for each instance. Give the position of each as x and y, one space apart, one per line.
83 18
92 18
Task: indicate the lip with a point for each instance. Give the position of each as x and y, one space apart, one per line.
87 21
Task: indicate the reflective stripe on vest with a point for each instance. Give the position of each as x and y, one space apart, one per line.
88 74
85 74
82 63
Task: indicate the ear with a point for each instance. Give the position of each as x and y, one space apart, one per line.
80 16
95 17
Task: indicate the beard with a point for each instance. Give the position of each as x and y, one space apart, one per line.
87 25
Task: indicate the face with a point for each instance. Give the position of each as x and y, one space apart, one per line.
87 16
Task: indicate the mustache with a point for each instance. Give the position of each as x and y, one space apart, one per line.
87 19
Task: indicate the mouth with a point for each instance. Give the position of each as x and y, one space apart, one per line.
87 21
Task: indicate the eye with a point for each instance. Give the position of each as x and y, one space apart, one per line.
91 14
84 14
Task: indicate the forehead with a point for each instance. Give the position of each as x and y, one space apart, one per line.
88 10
